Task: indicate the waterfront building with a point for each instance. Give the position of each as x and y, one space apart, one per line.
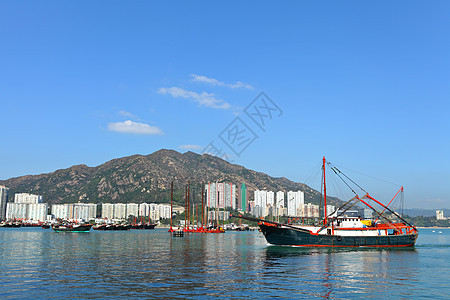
153 211
144 209
440 215
3 201
222 193
280 203
27 207
294 202
261 201
75 211
132 209
107 211
27 211
164 211
223 215
243 198
28 198
256 211
60 211
120 211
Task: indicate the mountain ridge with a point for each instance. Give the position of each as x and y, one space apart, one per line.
146 178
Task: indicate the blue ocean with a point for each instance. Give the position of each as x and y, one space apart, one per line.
39 264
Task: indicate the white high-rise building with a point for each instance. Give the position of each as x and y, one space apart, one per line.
60 211
440 215
107 211
294 202
27 207
120 211
270 198
27 211
280 203
75 211
224 190
144 209
132 209
3 201
28 198
154 211
261 201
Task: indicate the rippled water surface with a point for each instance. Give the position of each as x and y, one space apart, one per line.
38 263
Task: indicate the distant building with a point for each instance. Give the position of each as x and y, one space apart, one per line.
107 211
132 209
27 207
3 201
243 198
28 198
440 215
280 205
26 211
294 202
75 211
223 215
222 194
367 213
261 202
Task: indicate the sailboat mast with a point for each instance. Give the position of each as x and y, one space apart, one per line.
171 203
325 220
203 206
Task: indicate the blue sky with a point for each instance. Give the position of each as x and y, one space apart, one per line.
365 84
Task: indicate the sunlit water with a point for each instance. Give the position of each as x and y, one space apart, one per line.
37 263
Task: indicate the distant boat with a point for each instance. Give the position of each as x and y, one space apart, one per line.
434 230
440 231
341 230
10 224
112 227
70 227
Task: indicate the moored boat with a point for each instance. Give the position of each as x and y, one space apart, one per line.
339 230
71 227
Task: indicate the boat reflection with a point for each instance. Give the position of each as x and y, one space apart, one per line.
328 272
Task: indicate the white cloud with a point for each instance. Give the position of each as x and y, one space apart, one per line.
215 82
203 99
126 114
191 147
134 128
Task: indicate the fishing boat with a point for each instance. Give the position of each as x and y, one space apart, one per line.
339 230
71 227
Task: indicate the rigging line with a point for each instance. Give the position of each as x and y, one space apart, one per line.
383 180
312 174
339 188
351 180
333 169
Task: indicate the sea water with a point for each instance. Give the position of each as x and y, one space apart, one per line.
37 263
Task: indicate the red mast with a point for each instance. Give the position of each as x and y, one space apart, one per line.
203 205
325 220
171 204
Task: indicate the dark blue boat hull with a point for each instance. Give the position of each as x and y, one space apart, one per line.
289 236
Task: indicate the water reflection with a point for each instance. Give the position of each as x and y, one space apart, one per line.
328 271
38 263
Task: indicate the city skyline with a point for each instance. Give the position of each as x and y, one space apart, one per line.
364 86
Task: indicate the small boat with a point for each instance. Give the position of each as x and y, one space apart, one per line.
99 227
112 227
70 227
149 226
11 224
46 226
